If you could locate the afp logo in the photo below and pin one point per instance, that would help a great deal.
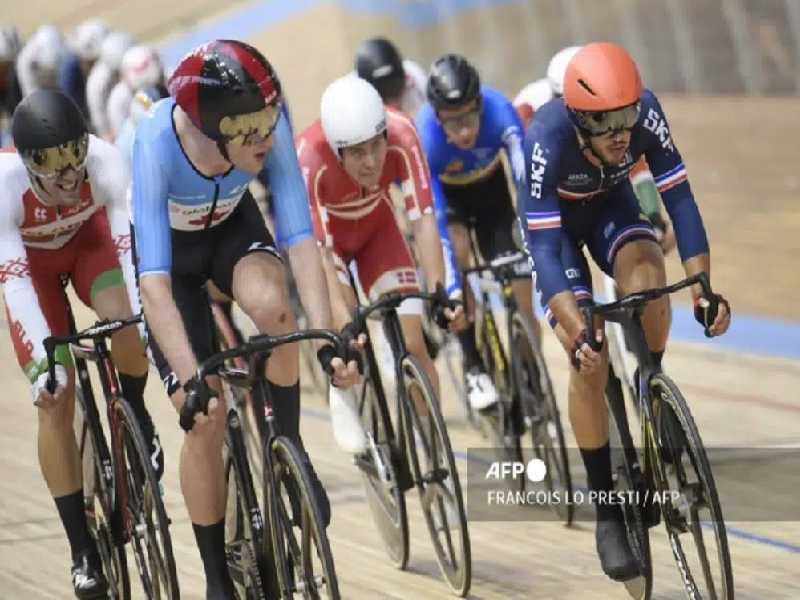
(535, 470)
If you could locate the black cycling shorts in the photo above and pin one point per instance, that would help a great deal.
(486, 207)
(202, 256)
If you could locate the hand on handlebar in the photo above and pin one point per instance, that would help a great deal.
(46, 393)
(343, 375)
(447, 314)
(199, 403)
(586, 353)
(713, 312)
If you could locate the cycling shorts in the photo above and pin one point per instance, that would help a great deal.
(202, 256)
(603, 225)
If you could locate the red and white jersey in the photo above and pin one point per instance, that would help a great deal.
(25, 221)
(531, 98)
(334, 194)
(414, 93)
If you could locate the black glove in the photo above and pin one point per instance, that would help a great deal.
(325, 356)
(438, 305)
(198, 395)
(706, 315)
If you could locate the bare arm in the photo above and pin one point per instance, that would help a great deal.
(340, 308)
(312, 286)
(429, 249)
(166, 324)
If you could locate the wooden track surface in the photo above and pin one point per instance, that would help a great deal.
(737, 401)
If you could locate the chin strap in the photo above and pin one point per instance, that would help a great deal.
(223, 150)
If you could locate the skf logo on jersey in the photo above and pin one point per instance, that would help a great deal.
(40, 214)
(455, 166)
(538, 164)
(656, 123)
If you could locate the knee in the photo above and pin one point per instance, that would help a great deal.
(269, 307)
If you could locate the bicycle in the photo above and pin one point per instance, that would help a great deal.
(121, 492)
(527, 402)
(681, 494)
(391, 465)
(253, 543)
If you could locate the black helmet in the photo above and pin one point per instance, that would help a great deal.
(453, 82)
(50, 133)
(379, 62)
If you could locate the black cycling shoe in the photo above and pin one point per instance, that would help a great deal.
(616, 556)
(88, 580)
(153, 443)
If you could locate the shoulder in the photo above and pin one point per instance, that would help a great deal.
(13, 175)
(156, 124)
(400, 128)
(494, 99)
(428, 126)
(535, 94)
(311, 145)
(415, 75)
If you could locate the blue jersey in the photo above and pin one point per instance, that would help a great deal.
(559, 175)
(500, 129)
(168, 193)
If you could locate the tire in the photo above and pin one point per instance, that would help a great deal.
(98, 499)
(309, 561)
(628, 477)
(537, 406)
(149, 526)
(496, 423)
(453, 552)
(245, 529)
(692, 479)
(385, 495)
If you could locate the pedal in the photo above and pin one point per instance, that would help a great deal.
(437, 475)
(636, 587)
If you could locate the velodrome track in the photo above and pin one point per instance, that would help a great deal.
(739, 398)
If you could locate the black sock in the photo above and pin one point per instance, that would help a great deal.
(469, 347)
(598, 470)
(73, 517)
(657, 356)
(286, 406)
(211, 544)
(133, 391)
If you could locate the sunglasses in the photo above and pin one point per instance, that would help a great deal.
(50, 163)
(250, 129)
(468, 120)
(599, 123)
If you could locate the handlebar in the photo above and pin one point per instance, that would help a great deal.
(393, 300)
(499, 266)
(104, 328)
(255, 345)
(637, 299)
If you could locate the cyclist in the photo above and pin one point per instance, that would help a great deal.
(39, 59)
(401, 83)
(85, 49)
(350, 157)
(140, 69)
(538, 93)
(577, 193)
(103, 77)
(10, 94)
(195, 220)
(468, 131)
(64, 212)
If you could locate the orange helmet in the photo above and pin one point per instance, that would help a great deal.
(601, 77)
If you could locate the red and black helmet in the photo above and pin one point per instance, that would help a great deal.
(223, 78)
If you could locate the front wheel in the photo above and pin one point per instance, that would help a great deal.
(147, 518)
(436, 477)
(690, 502)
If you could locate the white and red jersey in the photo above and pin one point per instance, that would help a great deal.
(333, 193)
(532, 97)
(413, 96)
(26, 222)
(357, 223)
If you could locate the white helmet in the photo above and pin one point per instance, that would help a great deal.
(141, 67)
(9, 43)
(113, 49)
(88, 38)
(50, 48)
(558, 67)
(351, 112)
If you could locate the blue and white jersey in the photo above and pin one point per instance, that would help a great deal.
(559, 173)
(500, 130)
(168, 193)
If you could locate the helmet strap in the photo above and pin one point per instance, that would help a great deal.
(223, 150)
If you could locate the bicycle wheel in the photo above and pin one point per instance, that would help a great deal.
(385, 496)
(298, 531)
(245, 535)
(436, 477)
(629, 479)
(539, 411)
(147, 518)
(690, 502)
